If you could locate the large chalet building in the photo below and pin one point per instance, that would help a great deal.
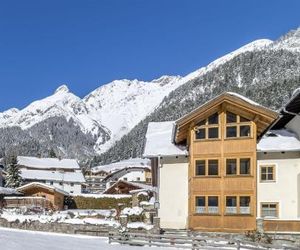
(64, 174)
(216, 170)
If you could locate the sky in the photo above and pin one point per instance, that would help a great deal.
(85, 44)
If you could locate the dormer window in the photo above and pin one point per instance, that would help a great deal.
(208, 128)
(237, 126)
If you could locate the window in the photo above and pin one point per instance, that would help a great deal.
(72, 184)
(200, 134)
(231, 167)
(200, 167)
(200, 205)
(269, 209)
(208, 128)
(138, 178)
(125, 179)
(207, 204)
(231, 207)
(60, 183)
(231, 131)
(245, 131)
(245, 166)
(207, 167)
(213, 204)
(213, 132)
(237, 126)
(245, 204)
(240, 166)
(51, 183)
(231, 118)
(267, 173)
(213, 167)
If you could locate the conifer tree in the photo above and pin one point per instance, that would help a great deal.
(52, 153)
(13, 177)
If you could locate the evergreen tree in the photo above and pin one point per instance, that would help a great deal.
(52, 153)
(13, 177)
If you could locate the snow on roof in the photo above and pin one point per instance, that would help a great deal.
(279, 140)
(43, 185)
(99, 196)
(244, 98)
(116, 166)
(52, 175)
(159, 140)
(8, 191)
(46, 163)
(139, 186)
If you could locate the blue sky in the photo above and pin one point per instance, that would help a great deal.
(86, 43)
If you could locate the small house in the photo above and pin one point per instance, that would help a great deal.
(39, 195)
(125, 187)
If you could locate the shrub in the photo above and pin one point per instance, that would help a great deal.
(143, 197)
(257, 236)
(81, 202)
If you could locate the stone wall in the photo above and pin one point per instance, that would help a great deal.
(55, 227)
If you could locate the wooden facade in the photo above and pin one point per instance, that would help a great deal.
(124, 187)
(54, 197)
(281, 225)
(222, 162)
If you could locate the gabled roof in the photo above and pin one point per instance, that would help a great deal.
(116, 166)
(47, 163)
(41, 185)
(33, 174)
(159, 140)
(279, 141)
(8, 191)
(132, 185)
(289, 111)
(263, 116)
(124, 171)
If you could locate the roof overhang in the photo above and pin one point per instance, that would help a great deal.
(41, 185)
(262, 116)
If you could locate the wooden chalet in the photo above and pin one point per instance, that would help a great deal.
(39, 195)
(125, 187)
(215, 181)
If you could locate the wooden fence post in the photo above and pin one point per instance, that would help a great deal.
(238, 247)
(149, 240)
(109, 238)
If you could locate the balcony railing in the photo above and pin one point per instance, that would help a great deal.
(245, 210)
(213, 210)
(231, 210)
(200, 210)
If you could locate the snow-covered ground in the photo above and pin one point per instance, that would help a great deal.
(12, 239)
(79, 217)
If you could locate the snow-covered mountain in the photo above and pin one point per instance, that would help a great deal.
(121, 104)
(106, 114)
(264, 71)
(89, 126)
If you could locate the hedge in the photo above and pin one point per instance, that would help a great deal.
(80, 202)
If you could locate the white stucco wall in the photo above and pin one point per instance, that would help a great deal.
(75, 189)
(134, 175)
(173, 195)
(285, 190)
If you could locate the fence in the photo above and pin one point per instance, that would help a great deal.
(29, 202)
(187, 242)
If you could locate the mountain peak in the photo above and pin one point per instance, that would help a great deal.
(62, 89)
